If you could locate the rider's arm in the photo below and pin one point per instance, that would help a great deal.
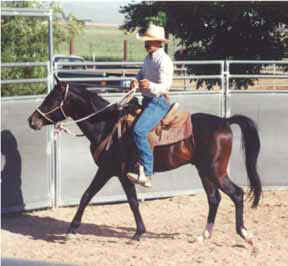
(139, 76)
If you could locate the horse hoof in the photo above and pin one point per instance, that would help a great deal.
(200, 239)
(70, 236)
(137, 237)
(206, 235)
(247, 236)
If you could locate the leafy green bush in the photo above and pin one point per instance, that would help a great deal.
(23, 89)
(25, 39)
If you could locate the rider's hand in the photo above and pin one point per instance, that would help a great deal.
(144, 85)
(134, 84)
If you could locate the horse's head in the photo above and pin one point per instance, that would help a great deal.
(78, 103)
(53, 109)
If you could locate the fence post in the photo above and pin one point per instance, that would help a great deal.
(222, 97)
(225, 105)
(226, 91)
(71, 46)
(50, 40)
(125, 51)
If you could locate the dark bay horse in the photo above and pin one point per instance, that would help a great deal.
(209, 151)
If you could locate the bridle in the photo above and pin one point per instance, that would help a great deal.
(60, 106)
(60, 126)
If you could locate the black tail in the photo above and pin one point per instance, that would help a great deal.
(251, 147)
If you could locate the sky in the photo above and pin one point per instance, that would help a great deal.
(100, 11)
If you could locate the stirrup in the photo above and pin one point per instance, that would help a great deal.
(137, 180)
(141, 178)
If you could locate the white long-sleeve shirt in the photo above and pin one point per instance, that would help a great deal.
(158, 69)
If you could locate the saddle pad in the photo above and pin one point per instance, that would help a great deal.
(172, 135)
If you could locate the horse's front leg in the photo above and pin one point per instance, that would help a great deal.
(100, 179)
(131, 194)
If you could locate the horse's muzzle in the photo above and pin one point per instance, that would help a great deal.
(35, 122)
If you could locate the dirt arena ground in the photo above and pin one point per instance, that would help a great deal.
(173, 225)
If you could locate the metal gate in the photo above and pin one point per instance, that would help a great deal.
(27, 159)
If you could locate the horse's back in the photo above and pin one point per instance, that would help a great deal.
(213, 136)
(204, 118)
(208, 124)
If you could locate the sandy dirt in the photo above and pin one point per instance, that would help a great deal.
(173, 226)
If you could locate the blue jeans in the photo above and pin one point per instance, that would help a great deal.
(154, 110)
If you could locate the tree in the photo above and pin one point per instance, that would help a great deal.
(219, 30)
(25, 39)
(70, 26)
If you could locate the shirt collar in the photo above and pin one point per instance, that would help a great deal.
(157, 53)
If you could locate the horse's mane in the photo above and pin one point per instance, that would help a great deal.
(97, 102)
(95, 99)
(88, 96)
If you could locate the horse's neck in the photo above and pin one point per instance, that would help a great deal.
(94, 130)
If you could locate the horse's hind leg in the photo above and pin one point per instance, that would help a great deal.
(214, 198)
(236, 194)
(214, 178)
(100, 179)
(130, 191)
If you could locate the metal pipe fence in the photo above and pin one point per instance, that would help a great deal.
(123, 66)
(230, 76)
(32, 80)
(30, 12)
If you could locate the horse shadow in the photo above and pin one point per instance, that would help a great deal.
(11, 172)
(53, 230)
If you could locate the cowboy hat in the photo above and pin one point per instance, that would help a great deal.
(152, 33)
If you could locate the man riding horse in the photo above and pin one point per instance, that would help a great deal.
(154, 80)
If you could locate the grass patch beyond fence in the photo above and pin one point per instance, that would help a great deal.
(106, 43)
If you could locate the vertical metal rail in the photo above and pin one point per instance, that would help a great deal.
(50, 41)
(56, 177)
(222, 101)
(227, 110)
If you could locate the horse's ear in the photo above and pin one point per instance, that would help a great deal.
(60, 84)
(57, 80)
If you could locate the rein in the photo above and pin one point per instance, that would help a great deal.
(60, 126)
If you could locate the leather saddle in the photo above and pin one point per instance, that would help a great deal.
(174, 126)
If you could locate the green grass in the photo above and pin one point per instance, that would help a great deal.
(106, 43)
